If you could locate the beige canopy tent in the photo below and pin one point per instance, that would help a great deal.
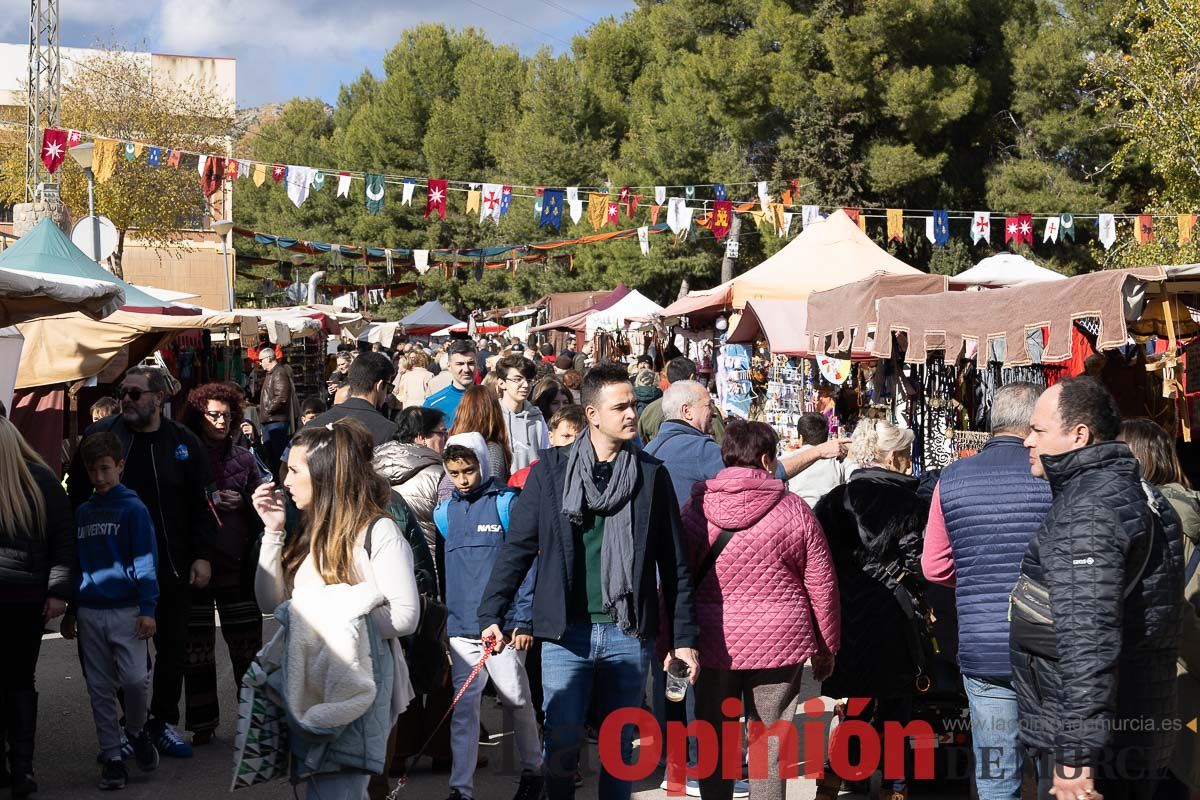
(72, 347)
(829, 253)
(780, 322)
(842, 321)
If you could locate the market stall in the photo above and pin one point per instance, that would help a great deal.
(428, 318)
(1001, 270)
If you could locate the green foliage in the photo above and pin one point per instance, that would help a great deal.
(923, 104)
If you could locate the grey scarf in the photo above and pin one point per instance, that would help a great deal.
(616, 552)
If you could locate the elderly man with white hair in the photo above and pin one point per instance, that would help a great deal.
(685, 444)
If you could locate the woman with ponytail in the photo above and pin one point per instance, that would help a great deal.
(37, 559)
(348, 568)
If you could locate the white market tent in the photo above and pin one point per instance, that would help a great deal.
(1004, 269)
(633, 306)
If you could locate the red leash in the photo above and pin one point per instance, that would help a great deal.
(488, 646)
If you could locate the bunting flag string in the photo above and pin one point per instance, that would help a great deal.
(604, 206)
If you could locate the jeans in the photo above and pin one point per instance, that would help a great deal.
(994, 738)
(590, 658)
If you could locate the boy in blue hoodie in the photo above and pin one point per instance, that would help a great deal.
(114, 606)
(473, 522)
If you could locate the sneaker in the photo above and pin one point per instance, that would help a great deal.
(692, 788)
(578, 779)
(530, 787)
(126, 752)
(168, 741)
(741, 788)
(144, 751)
(113, 774)
(455, 794)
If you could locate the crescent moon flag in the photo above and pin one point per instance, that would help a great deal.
(374, 189)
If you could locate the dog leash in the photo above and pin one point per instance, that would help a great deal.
(488, 648)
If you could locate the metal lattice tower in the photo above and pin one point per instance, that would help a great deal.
(43, 107)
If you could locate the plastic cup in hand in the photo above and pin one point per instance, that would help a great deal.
(677, 680)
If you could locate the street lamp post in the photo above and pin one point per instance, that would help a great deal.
(82, 153)
(222, 229)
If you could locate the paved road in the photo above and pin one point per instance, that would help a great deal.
(66, 750)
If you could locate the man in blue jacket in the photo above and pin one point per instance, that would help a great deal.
(985, 510)
(685, 444)
(473, 523)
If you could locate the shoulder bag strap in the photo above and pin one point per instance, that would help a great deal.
(710, 558)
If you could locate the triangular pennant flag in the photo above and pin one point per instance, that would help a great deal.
(686, 223)
(764, 196)
(406, 191)
(74, 137)
(421, 257)
(343, 184)
(929, 234)
(941, 228)
(552, 208)
(318, 180)
(613, 213)
(201, 160)
(1185, 222)
(677, 218)
(505, 199)
(373, 191)
(631, 205)
(644, 239)
(54, 148)
(981, 227)
(173, 157)
(1050, 234)
(436, 200)
(776, 212)
(1066, 226)
(722, 216)
(689, 192)
(1025, 229)
(490, 203)
(154, 157)
(895, 225)
(213, 176)
(1145, 229)
(278, 172)
(131, 152)
(1108, 230)
(597, 209)
(787, 223)
(660, 195)
(654, 211)
(244, 169)
(719, 192)
(623, 195)
(260, 174)
(231, 169)
(473, 197)
(809, 215)
(538, 191)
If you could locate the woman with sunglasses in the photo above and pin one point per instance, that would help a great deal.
(214, 412)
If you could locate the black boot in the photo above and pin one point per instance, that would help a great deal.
(22, 730)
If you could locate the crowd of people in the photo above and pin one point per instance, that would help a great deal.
(584, 531)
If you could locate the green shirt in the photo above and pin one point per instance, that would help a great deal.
(586, 604)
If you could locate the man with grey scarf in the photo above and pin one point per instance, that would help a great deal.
(604, 518)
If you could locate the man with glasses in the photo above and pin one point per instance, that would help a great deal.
(461, 366)
(527, 430)
(166, 465)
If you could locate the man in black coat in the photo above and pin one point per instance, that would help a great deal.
(603, 520)
(168, 468)
(370, 379)
(1096, 684)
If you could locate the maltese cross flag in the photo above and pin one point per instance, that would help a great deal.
(54, 148)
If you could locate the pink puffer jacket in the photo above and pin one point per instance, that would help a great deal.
(771, 599)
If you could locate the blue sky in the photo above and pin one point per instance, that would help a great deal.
(303, 48)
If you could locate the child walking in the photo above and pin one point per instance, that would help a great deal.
(473, 522)
(114, 607)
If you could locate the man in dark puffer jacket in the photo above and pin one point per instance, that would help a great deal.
(1101, 714)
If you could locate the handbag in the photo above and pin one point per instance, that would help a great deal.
(427, 650)
(261, 751)
(1030, 615)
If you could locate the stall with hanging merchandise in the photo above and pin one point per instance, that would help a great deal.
(302, 337)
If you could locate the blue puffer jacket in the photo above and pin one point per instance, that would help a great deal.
(993, 506)
(475, 532)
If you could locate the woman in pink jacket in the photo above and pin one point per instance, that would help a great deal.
(767, 604)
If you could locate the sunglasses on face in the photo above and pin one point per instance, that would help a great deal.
(132, 393)
(217, 416)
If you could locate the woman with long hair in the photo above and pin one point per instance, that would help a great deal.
(549, 395)
(875, 524)
(347, 540)
(1155, 451)
(214, 413)
(480, 412)
(37, 560)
